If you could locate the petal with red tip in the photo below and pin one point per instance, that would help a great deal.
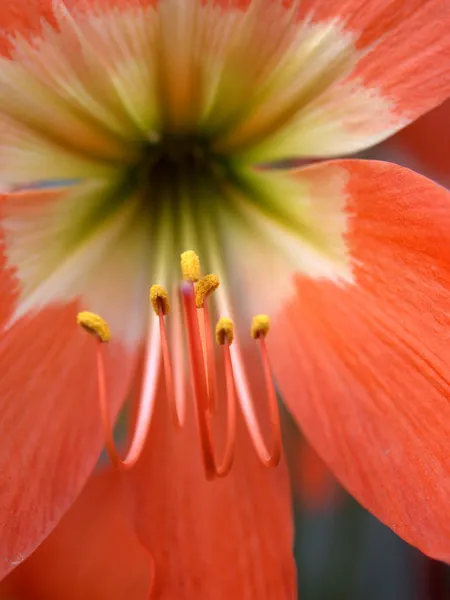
(211, 540)
(363, 366)
(334, 77)
(51, 434)
(93, 553)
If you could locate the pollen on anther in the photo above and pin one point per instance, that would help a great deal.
(159, 299)
(95, 325)
(190, 266)
(204, 287)
(224, 331)
(260, 326)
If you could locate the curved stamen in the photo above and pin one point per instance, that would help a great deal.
(93, 324)
(198, 377)
(203, 289)
(268, 457)
(159, 299)
(202, 401)
(147, 399)
(201, 356)
(109, 442)
(228, 457)
(272, 458)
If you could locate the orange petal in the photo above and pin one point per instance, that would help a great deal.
(51, 434)
(364, 367)
(8, 288)
(92, 554)
(227, 538)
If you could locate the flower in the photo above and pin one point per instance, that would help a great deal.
(156, 122)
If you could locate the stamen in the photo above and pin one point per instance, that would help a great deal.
(268, 458)
(98, 327)
(109, 442)
(260, 326)
(95, 325)
(201, 393)
(224, 331)
(275, 455)
(190, 266)
(201, 356)
(231, 407)
(205, 287)
(259, 329)
(159, 299)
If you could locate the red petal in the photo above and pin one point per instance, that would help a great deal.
(93, 553)
(51, 435)
(8, 285)
(229, 538)
(364, 367)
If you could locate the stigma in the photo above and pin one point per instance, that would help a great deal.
(196, 293)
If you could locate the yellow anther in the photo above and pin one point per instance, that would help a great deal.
(224, 331)
(260, 326)
(204, 287)
(94, 324)
(190, 266)
(159, 299)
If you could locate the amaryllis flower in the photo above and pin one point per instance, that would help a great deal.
(157, 123)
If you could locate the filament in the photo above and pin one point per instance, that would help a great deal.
(203, 372)
(210, 363)
(268, 457)
(168, 371)
(202, 400)
(145, 410)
